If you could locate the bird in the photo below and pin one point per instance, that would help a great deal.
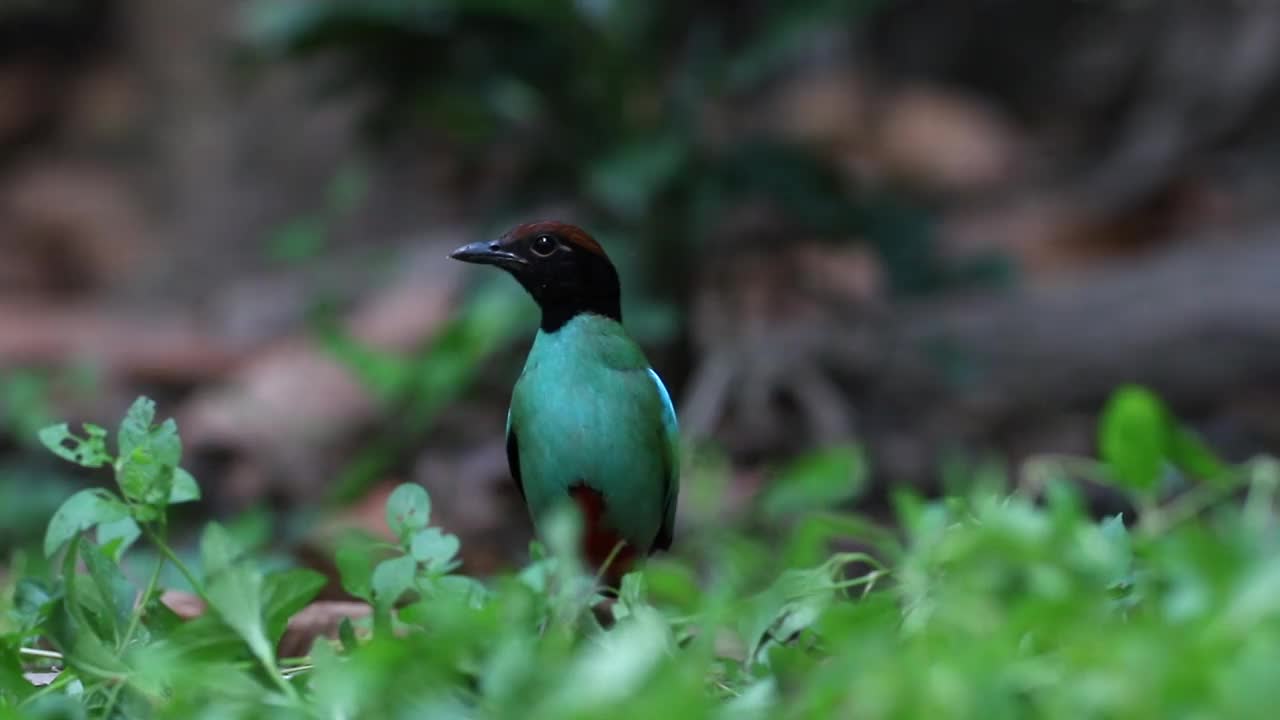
(590, 422)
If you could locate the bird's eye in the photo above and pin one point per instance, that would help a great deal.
(543, 245)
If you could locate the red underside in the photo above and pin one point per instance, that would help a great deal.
(598, 539)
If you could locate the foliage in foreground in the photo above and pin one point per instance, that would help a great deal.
(988, 605)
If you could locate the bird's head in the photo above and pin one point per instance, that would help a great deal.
(563, 268)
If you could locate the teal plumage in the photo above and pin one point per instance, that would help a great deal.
(588, 409)
(590, 422)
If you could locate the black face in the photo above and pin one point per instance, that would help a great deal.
(564, 270)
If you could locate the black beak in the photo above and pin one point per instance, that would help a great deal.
(488, 252)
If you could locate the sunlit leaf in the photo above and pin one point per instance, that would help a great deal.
(12, 682)
(218, 550)
(89, 451)
(1191, 455)
(408, 510)
(149, 455)
(355, 569)
(115, 591)
(185, 488)
(80, 512)
(392, 578)
(1134, 436)
(285, 593)
(235, 594)
(434, 548)
(117, 537)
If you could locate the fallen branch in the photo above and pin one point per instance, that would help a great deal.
(1193, 322)
(145, 346)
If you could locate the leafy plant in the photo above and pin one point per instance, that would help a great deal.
(984, 605)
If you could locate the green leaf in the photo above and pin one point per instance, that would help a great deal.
(347, 635)
(146, 470)
(12, 683)
(817, 482)
(467, 591)
(147, 463)
(71, 630)
(115, 591)
(89, 451)
(355, 568)
(1190, 455)
(115, 538)
(236, 596)
(286, 593)
(206, 638)
(218, 550)
(1118, 546)
(185, 488)
(392, 578)
(80, 512)
(408, 510)
(1133, 437)
(135, 428)
(434, 549)
(672, 583)
(615, 667)
(759, 700)
(633, 589)
(32, 603)
(631, 597)
(793, 603)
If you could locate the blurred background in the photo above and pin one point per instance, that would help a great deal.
(893, 241)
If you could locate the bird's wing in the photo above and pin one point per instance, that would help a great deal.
(513, 457)
(671, 464)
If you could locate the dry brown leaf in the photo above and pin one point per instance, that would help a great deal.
(319, 619)
(944, 142)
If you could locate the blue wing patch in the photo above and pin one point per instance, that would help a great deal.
(672, 462)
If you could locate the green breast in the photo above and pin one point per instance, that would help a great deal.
(588, 410)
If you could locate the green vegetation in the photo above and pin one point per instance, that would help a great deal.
(988, 604)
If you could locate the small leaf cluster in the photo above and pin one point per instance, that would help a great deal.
(420, 563)
(147, 474)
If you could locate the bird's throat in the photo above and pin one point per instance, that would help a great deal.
(556, 314)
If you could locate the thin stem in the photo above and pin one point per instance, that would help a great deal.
(293, 672)
(1154, 520)
(136, 618)
(281, 680)
(168, 552)
(35, 652)
(113, 699)
(134, 621)
(1037, 471)
(868, 579)
(852, 557)
(613, 555)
